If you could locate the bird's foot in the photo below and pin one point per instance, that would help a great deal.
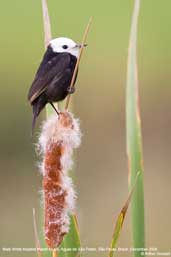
(71, 90)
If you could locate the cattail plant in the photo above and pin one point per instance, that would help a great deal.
(59, 136)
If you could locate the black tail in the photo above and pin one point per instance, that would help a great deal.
(38, 105)
(33, 121)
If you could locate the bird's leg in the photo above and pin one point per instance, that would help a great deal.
(53, 106)
(71, 90)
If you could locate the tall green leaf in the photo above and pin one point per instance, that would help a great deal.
(134, 138)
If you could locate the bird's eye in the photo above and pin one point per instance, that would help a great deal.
(64, 46)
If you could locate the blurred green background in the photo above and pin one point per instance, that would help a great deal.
(99, 102)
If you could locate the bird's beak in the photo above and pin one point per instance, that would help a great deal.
(80, 45)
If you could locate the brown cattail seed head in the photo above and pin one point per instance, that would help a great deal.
(60, 135)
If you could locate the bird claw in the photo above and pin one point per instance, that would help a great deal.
(71, 90)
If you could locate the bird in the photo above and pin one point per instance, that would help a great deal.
(53, 77)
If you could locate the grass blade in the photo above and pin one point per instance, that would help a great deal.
(71, 240)
(134, 139)
(120, 220)
(46, 23)
(78, 60)
(38, 248)
(47, 38)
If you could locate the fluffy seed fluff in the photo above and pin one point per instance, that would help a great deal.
(59, 136)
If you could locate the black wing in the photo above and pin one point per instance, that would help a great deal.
(49, 68)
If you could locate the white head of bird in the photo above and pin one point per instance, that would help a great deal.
(64, 44)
